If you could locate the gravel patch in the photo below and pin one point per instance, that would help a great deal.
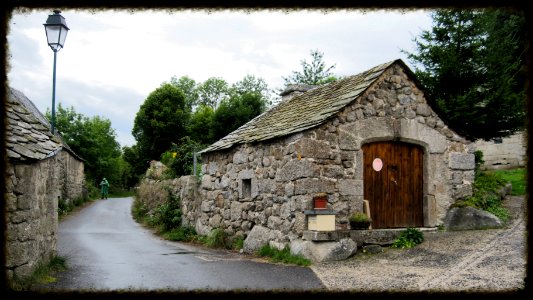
(447, 261)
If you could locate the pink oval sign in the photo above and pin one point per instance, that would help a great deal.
(377, 164)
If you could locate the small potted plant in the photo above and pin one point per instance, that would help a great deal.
(360, 220)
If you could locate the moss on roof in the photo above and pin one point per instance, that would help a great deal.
(303, 111)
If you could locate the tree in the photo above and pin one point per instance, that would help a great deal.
(314, 73)
(472, 66)
(252, 84)
(188, 87)
(94, 140)
(235, 112)
(138, 164)
(212, 91)
(199, 128)
(162, 119)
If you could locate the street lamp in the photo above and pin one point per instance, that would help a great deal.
(56, 33)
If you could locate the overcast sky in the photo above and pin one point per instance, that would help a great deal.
(113, 59)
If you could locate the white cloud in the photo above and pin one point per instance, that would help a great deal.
(113, 59)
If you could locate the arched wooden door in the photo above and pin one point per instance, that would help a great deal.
(393, 184)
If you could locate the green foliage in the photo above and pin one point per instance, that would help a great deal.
(94, 140)
(359, 217)
(408, 238)
(43, 274)
(473, 67)
(212, 92)
(181, 234)
(252, 85)
(486, 195)
(314, 73)
(188, 86)
(137, 165)
(283, 256)
(180, 158)
(217, 238)
(237, 242)
(139, 211)
(162, 119)
(200, 125)
(63, 207)
(517, 177)
(168, 214)
(235, 112)
(478, 155)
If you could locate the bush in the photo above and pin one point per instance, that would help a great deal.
(63, 207)
(42, 274)
(168, 215)
(180, 158)
(283, 256)
(486, 195)
(217, 238)
(139, 211)
(184, 234)
(408, 238)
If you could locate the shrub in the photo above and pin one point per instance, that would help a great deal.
(184, 233)
(486, 195)
(217, 238)
(283, 256)
(409, 238)
(168, 215)
(139, 211)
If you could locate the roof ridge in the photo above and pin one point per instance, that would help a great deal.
(319, 103)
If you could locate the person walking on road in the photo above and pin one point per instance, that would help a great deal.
(105, 187)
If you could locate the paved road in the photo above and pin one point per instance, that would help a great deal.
(107, 250)
(461, 261)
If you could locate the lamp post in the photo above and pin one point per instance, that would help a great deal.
(56, 33)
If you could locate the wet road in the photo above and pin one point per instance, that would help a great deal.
(106, 250)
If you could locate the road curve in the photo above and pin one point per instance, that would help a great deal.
(106, 250)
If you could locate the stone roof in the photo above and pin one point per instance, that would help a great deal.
(28, 135)
(303, 111)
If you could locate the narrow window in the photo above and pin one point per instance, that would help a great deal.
(246, 188)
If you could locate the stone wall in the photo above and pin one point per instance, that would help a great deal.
(154, 192)
(32, 193)
(271, 183)
(508, 153)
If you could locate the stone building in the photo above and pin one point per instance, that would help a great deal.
(40, 170)
(372, 136)
(504, 153)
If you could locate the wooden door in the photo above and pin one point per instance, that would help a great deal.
(393, 184)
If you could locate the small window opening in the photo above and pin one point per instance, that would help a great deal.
(246, 188)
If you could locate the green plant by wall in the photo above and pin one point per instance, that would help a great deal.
(408, 238)
(43, 274)
(478, 157)
(486, 195)
(180, 158)
(168, 214)
(283, 256)
(217, 238)
(139, 211)
(517, 178)
(181, 234)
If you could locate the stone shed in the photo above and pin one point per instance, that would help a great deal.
(372, 136)
(40, 170)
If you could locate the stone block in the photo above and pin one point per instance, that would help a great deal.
(350, 187)
(314, 185)
(296, 169)
(461, 161)
(312, 148)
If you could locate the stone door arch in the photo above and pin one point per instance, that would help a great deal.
(393, 183)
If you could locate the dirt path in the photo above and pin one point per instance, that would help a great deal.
(469, 261)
